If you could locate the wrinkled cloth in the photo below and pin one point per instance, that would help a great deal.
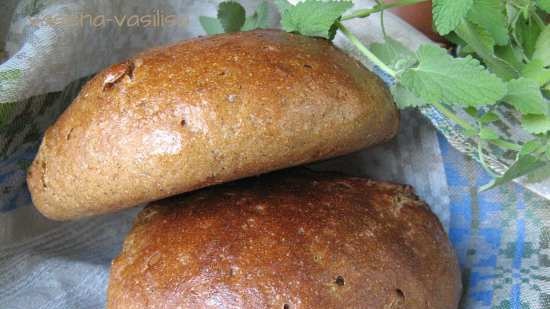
(502, 237)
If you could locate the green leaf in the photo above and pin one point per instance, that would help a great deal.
(470, 34)
(472, 111)
(536, 124)
(404, 98)
(314, 18)
(510, 54)
(523, 166)
(393, 53)
(530, 147)
(488, 134)
(544, 5)
(470, 132)
(489, 117)
(456, 81)
(257, 20)
(484, 38)
(455, 39)
(211, 25)
(535, 70)
(231, 15)
(527, 31)
(542, 47)
(524, 94)
(448, 14)
(523, 6)
(489, 14)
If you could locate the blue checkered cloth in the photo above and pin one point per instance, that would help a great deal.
(502, 238)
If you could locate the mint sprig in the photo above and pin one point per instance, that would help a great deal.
(536, 70)
(523, 166)
(257, 20)
(211, 25)
(502, 58)
(536, 124)
(524, 94)
(313, 17)
(231, 15)
(394, 54)
(456, 81)
(544, 5)
(448, 14)
(232, 18)
(404, 98)
(489, 14)
(542, 46)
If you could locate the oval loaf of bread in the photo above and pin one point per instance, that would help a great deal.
(202, 112)
(289, 240)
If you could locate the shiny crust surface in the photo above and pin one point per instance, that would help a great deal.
(288, 240)
(202, 112)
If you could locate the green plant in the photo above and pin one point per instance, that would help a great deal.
(502, 59)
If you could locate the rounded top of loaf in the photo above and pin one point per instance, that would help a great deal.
(205, 111)
(288, 240)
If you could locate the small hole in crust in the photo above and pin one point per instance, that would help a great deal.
(68, 137)
(307, 66)
(399, 294)
(397, 300)
(183, 122)
(340, 281)
(286, 306)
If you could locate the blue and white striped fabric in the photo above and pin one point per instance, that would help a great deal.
(502, 238)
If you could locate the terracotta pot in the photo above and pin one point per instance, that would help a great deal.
(419, 16)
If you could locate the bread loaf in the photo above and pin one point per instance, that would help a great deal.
(202, 112)
(291, 240)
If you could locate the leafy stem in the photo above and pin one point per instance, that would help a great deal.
(506, 145)
(453, 117)
(363, 49)
(499, 67)
(481, 156)
(468, 127)
(380, 7)
(440, 107)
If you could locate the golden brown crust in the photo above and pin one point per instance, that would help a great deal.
(206, 111)
(303, 239)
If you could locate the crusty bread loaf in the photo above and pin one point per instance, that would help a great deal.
(202, 112)
(288, 240)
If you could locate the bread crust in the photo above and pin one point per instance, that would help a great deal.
(294, 238)
(202, 112)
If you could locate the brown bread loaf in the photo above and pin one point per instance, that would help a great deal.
(202, 112)
(289, 240)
